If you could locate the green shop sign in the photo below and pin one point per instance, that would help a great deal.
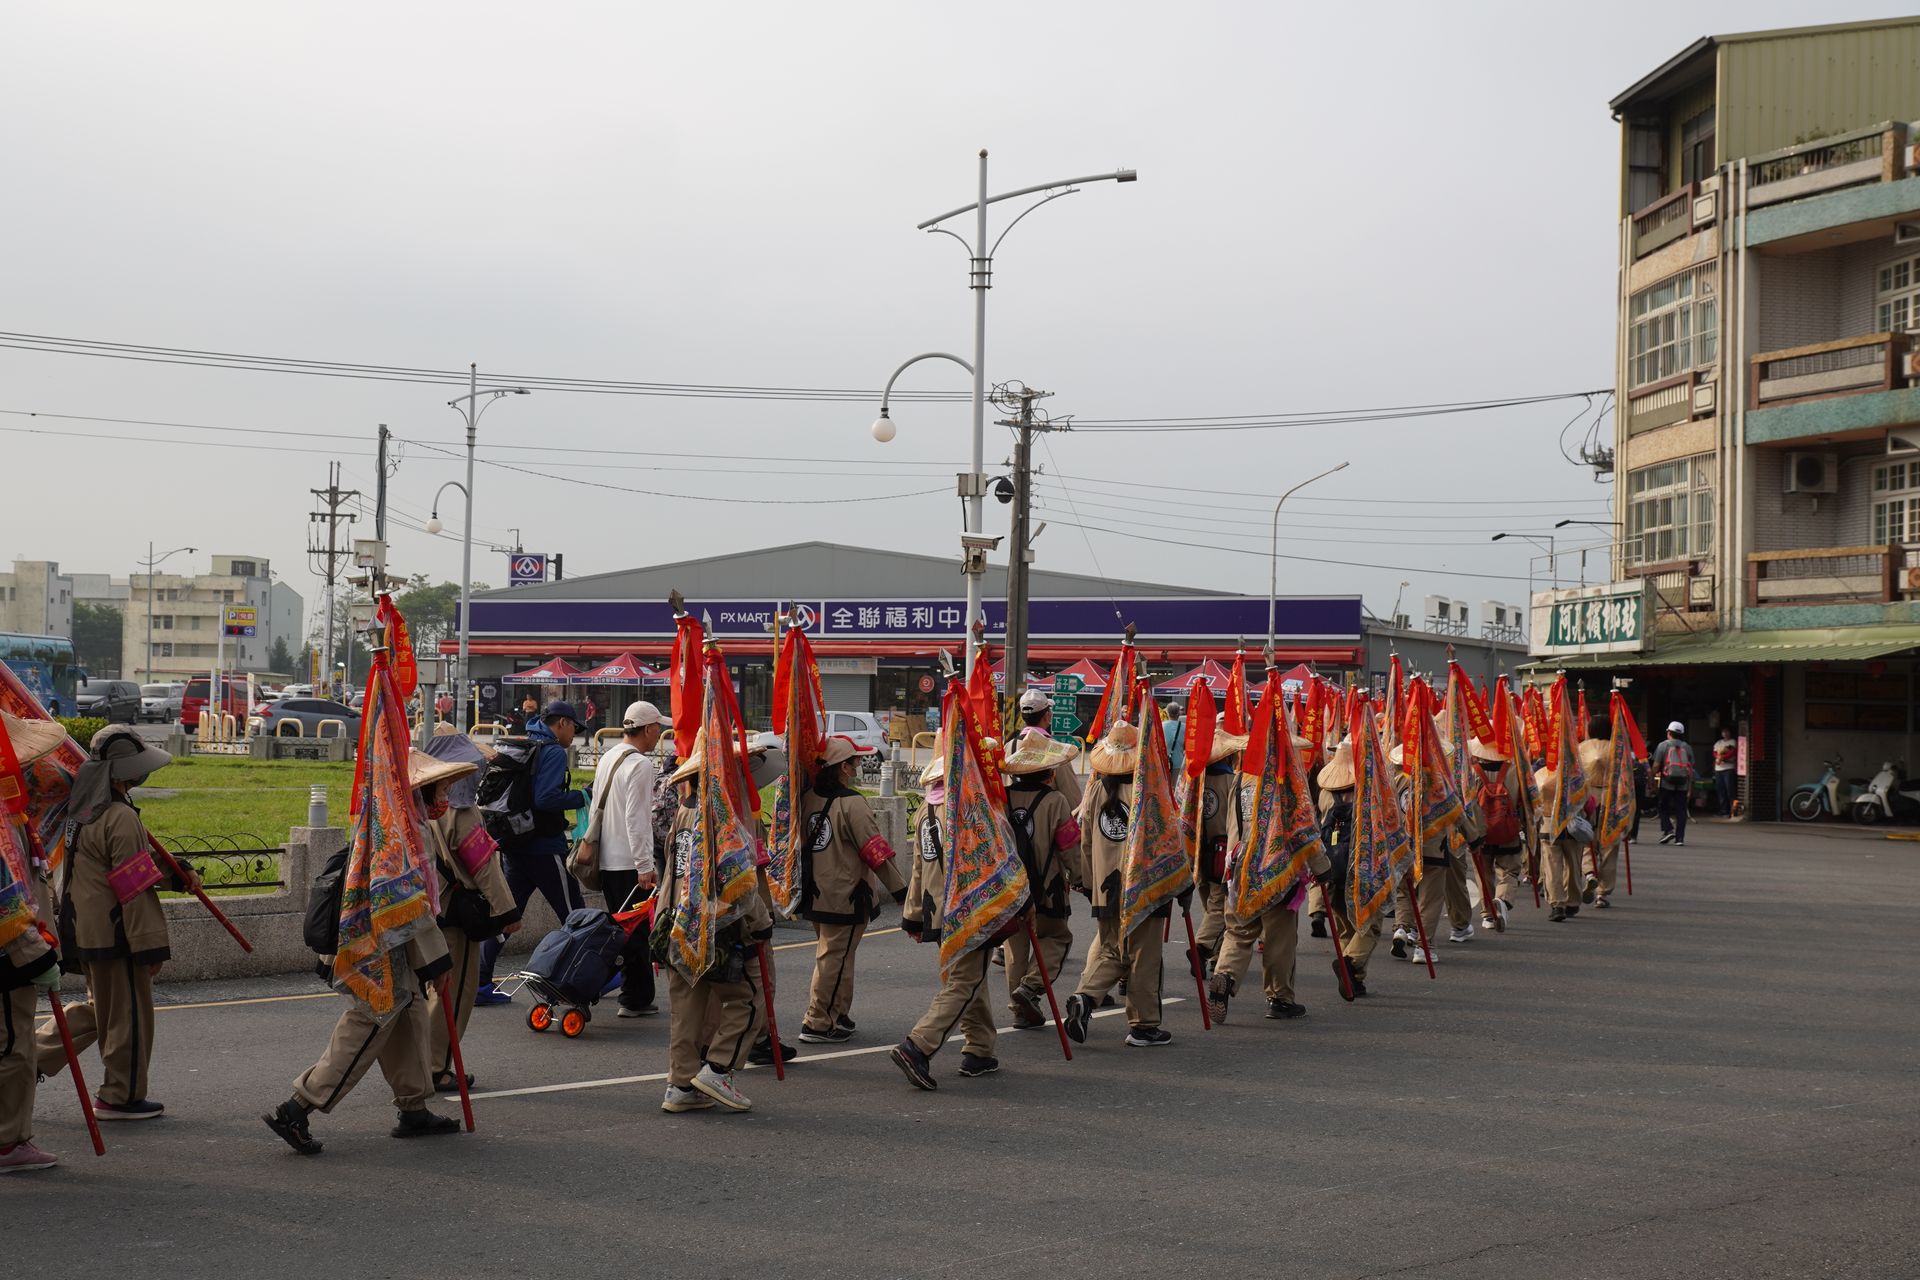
(1604, 619)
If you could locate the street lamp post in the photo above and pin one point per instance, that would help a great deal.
(1598, 524)
(973, 485)
(1273, 562)
(1553, 563)
(470, 408)
(151, 561)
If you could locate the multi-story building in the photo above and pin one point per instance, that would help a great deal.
(186, 613)
(1766, 451)
(36, 599)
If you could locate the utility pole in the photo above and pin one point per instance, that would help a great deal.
(380, 487)
(1019, 554)
(327, 558)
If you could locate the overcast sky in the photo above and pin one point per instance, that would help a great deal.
(1339, 207)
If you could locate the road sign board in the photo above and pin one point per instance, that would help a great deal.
(926, 684)
(1066, 694)
(524, 569)
(1067, 684)
(239, 619)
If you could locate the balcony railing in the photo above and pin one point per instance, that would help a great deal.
(1676, 399)
(1824, 575)
(1851, 159)
(1447, 626)
(1845, 366)
(1664, 221)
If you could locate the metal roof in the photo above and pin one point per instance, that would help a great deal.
(1829, 644)
(1695, 62)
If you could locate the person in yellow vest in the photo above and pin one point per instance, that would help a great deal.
(29, 964)
(843, 859)
(1048, 837)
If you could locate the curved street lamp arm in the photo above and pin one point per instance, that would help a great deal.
(905, 365)
(1118, 175)
(1273, 563)
(957, 236)
(451, 484)
(1023, 213)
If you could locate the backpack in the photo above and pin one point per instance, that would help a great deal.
(1676, 768)
(1021, 820)
(505, 794)
(1336, 832)
(321, 929)
(1503, 818)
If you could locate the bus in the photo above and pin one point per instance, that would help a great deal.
(45, 665)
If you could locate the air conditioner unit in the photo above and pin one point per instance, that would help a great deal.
(1913, 578)
(1700, 592)
(1901, 439)
(1813, 473)
(1911, 365)
(1913, 157)
(1704, 208)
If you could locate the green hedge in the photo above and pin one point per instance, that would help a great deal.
(81, 728)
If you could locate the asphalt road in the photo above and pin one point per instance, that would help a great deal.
(1715, 1078)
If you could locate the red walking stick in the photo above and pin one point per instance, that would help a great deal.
(73, 1065)
(773, 1028)
(1626, 856)
(1046, 980)
(173, 868)
(1342, 967)
(1487, 899)
(1533, 869)
(1426, 948)
(453, 1043)
(1193, 959)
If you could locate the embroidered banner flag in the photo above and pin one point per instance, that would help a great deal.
(1202, 719)
(1617, 799)
(1571, 795)
(16, 864)
(1117, 696)
(1155, 866)
(389, 895)
(1458, 721)
(406, 671)
(1382, 850)
(1396, 698)
(1283, 835)
(720, 869)
(685, 680)
(1534, 721)
(1235, 710)
(800, 711)
(987, 888)
(49, 780)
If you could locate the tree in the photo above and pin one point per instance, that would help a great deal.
(432, 611)
(281, 659)
(97, 635)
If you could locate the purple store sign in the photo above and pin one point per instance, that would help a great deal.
(1315, 619)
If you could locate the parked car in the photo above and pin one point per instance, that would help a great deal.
(160, 703)
(308, 713)
(233, 694)
(861, 726)
(296, 691)
(115, 701)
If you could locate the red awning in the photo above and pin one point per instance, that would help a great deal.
(552, 671)
(625, 669)
(1208, 672)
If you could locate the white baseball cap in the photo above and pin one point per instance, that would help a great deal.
(1035, 700)
(1676, 727)
(639, 715)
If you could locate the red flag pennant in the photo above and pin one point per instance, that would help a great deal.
(1236, 709)
(406, 671)
(1201, 719)
(688, 683)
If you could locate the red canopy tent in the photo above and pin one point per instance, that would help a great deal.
(1208, 672)
(1000, 676)
(1094, 679)
(625, 669)
(553, 671)
(1297, 678)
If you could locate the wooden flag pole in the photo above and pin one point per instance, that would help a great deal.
(773, 1028)
(453, 1044)
(73, 1065)
(1413, 900)
(1487, 898)
(173, 868)
(1046, 981)
(1626, 856)
(1342, 967)
(1193, 959)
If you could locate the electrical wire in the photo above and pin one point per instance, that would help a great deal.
(1300, 520)
(1337, 418)
(1350, 564)
(1397, 502)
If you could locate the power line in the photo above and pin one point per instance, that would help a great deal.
(1397, 502)
(1303, 520)
(1270, 422)
(1287, 533)
(1351, 564)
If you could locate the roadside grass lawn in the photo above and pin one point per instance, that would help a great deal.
(251, 802)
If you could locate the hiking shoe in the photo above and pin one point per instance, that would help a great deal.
(845, 1023)
(1601, 902)
(1027, 1014)
(447, 1082)
(422, 1123)
(144, 1109)
(761, 1055)
(1463, 934)
(490, 994)
(289, 1120)
(1422, 956)
(1219, 991)
(1201, 962)
(643, 1011)
(832, 1035)
(688, 1099)
(1317, 924)
(1399, 947)
(1557, 915)
(1666, 837)
(1148, 1037)
(719, 1086)
(978, 1065)
(1079, 1011)
(1572, 910)
(914, 1065)
(1586, 894)
(1359, 987)
(23, 1156)
(1108, 1002)
(1285, 1009)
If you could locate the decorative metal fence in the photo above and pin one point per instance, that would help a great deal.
(237, 862)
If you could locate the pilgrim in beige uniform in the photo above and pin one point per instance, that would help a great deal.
(119, 932)
(28, 964)
(1441, 854)
(1049, 840)
(474, 906)
(1275, 933)
(1503, 846)
(1599, 881)
(1336, 830)
(1223, 821)
(1134, 957)
(1559, 858)
(400, 1041)
(843, 858)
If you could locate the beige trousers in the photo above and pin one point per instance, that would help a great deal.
(962, 1002)
(1357, 945)
(1056, 941)
(1316, 900)
(464, 982)
(1459, 902)
(1213, 917)
(1507, 869)
(1605, 865)
(714, 1022)
(18, 1056)
(1136, 958)
(118, 1014)
(832, 992)
(1560, 872)
(399, 1045)
(1277, 932)
(1431, 894)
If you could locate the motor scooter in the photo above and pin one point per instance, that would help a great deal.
(1811, 800)
(1889, 797)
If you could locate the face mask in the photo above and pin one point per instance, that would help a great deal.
(437, 809)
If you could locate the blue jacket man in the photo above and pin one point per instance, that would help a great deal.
(538, 860)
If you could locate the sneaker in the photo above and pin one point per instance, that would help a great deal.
(1027, 1014)
(1422, 956)
(978, 1065)
(422, 1123)
(447, 1082)
(1219, 990)
(1679, 842)
(1601, 902)
(1586, 894)
(1285, 1009)
(1201, 963)
(1148, 1037)
(719, 1087)
(688, 1099)
(1108, 1002)
(1557, 915)
(845, 1023)
(1666, 837)
(1463, 934)
(1399, 947)
(832, 1035)
(1488, 922)
(644, 1011)
(490, 994)
(23, 1156)
(761, 1055)
(1079, 1011)
(144, 1109)
(1359, 987)
(914, 1065)
(999, 957)
(1317, 925)
(289, 1120)
(1572, 910)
